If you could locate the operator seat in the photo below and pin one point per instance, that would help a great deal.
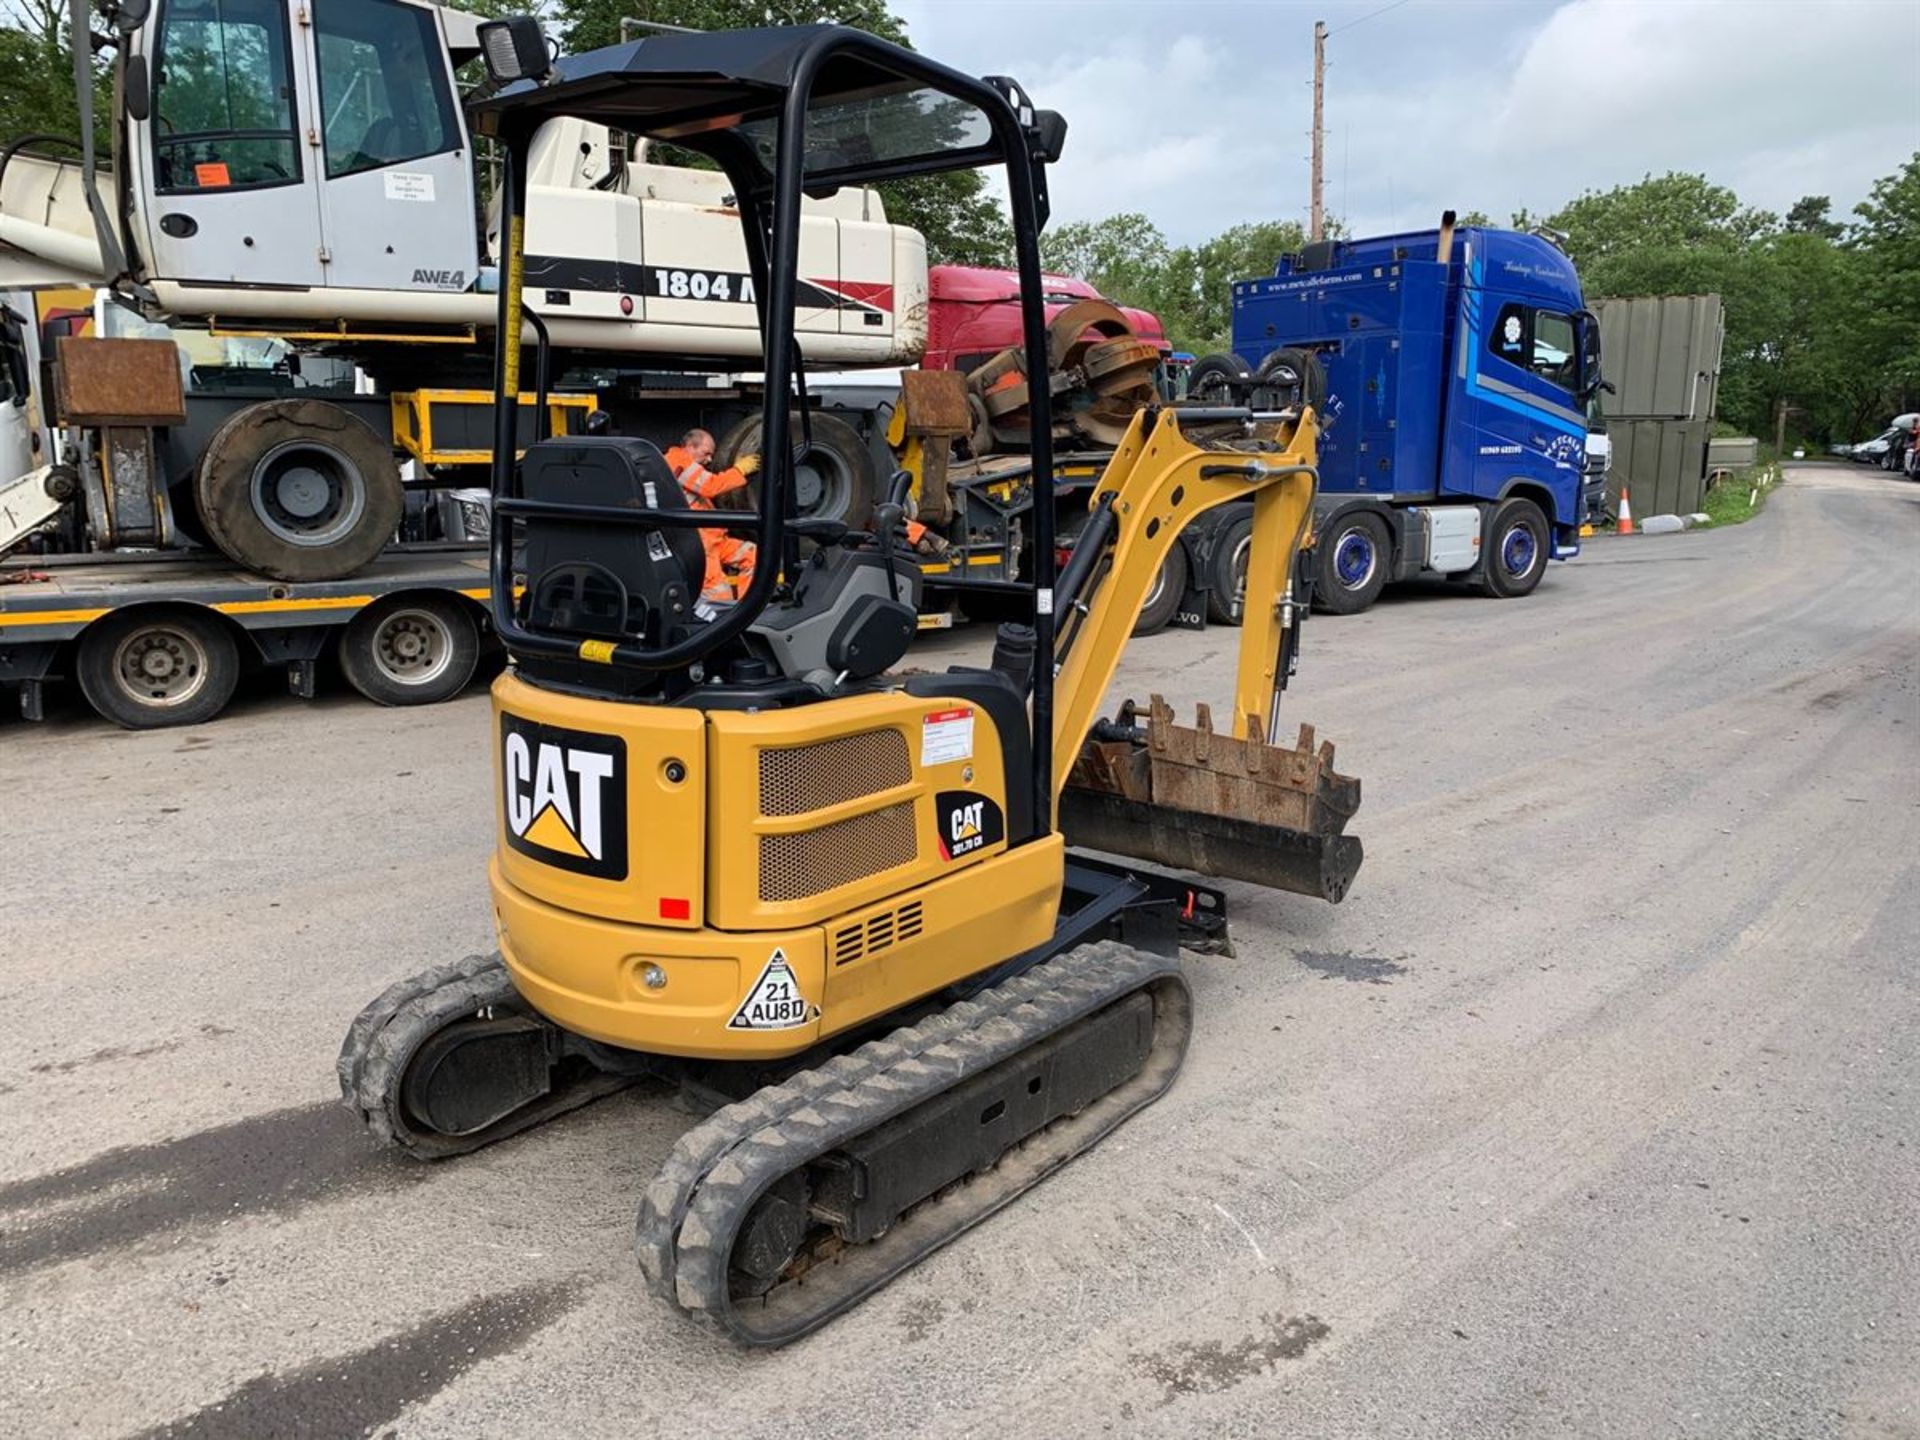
(589, 580)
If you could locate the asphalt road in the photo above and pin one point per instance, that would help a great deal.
(1595, 1110)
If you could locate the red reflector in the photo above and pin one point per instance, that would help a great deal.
(626, 304)
(676, 909)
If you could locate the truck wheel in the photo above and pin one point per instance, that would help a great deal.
(1213, 378)
(834, 478)
(410, 650)
(298, 490)
(1296, 372)
(148, 669)
(1227, 577)
(1353, 557)
(1164, 599)
(1513, 556)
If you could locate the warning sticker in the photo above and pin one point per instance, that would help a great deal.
(946, 736)
(775, 1001)
(212, 176)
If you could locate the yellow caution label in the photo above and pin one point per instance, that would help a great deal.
(598, 651)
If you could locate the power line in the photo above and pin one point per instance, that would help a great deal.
(1368, 16)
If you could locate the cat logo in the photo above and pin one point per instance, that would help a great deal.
(968, 822)
(564, 797)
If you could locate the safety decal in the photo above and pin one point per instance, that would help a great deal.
(968, 822)
(775, 1001)
(564, 796)
(946, 736)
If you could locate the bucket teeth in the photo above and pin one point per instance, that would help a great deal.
(1199, 799)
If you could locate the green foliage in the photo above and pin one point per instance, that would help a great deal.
(1190, 287)
(1810, 215)
(36, 75)
(959, 216)
(1817, 320)
(1674, 211)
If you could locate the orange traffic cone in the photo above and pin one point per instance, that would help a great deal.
(1625, 526)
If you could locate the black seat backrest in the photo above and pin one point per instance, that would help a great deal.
(592, 579)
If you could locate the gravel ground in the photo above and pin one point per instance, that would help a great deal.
(1593, 1110)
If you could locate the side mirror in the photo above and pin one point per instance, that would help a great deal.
(136, 96)
(130, 14)
(1049, 135)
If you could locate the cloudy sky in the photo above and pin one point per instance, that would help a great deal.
(1197, 111)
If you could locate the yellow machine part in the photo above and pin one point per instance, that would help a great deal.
(726, 884)
(860, 845)
(414, 413)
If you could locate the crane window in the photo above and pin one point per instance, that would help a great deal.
(223, 98)
(384, 93)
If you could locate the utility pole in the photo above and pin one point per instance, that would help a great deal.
(1318, 211)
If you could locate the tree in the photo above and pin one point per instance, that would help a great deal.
(1888, 238)
(1190, 287)
(1673, 211)
(958, 215)
(1809, 216)
(36, 75)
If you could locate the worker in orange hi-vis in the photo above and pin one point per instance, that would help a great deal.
(729, 560)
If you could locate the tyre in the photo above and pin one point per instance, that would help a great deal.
(410, 650)
(1163, 600)
(1351, 559)
(150, 668)
(1295, 374)
(1513, 555)
(1227, 570)
(834, 479)
(298, 490)
(1214, 378)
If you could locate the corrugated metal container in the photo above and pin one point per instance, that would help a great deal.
(1664, 461)
(1732, 452)
(1662, 353)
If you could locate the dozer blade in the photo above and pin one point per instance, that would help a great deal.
(1199, 801)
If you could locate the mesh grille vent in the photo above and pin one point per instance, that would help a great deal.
(811, 862)
(800, 778)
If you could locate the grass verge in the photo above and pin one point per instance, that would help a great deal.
(1740, 496)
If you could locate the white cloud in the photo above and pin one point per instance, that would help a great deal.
(1197, 114)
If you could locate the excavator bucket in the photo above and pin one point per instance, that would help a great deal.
(1196, 800)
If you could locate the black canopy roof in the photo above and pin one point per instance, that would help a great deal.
(672, 85)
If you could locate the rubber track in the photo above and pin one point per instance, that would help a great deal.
(695, 1207)
(385, 1036)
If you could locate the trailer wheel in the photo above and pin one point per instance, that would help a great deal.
(1514, 555)
(410, 650)
(150, 668)
(834, 478)
(1352, 557)
(1164, 599)
(1227, 578)
(299, 490)
(1214, 377)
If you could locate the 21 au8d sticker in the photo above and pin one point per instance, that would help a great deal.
(775, 1001)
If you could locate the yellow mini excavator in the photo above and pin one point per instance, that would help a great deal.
(739, 851)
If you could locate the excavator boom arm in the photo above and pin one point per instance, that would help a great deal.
(1157, 482)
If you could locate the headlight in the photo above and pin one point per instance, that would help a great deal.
(515, 49)
(476, 520)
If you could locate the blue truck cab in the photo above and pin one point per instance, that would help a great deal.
(1459, 364)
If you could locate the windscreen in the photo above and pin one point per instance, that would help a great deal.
(879, 127)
